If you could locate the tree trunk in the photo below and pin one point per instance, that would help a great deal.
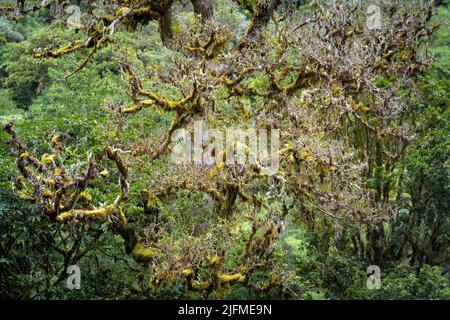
(165, 23)
(260, 19)
(376, 242)
(203, 8)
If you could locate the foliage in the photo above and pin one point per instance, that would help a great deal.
(86, 175)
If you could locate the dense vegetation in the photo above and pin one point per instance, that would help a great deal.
(89, 112)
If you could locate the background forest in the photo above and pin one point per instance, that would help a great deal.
(233, 238)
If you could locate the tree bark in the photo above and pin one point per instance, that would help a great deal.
(165, 27)
(203, 8)
(260, 19)
(376, 241)
(165, 22)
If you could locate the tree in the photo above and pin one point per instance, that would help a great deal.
(333, 86)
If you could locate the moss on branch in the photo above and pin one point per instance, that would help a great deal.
(143, 254)
(230, 278)
(47, 53)
(96, 214)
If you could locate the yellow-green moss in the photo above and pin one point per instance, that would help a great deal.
(215, 261)
(121, 11)
(188, 273)
(104, 174)
(227, 278)
(140, 253)
(98, 214)
(47, 193)
(47, 158)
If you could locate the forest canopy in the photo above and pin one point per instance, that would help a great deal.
(211, 149)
